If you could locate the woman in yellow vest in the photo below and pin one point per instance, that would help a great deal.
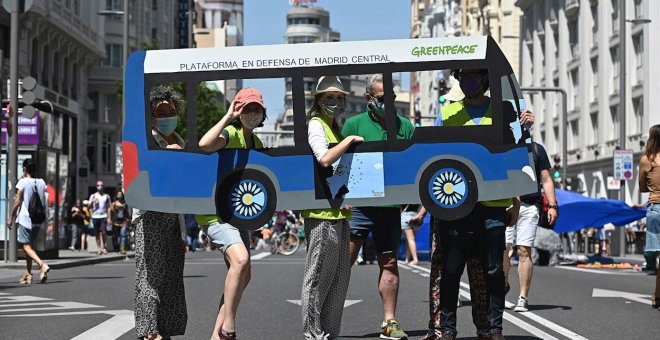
(327, 267)
(234, 131)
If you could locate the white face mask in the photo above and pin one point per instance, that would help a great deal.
(251, 120)
(166, 125)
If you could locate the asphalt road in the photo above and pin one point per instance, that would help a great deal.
(96, 302)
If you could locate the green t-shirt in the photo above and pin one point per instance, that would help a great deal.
(367, 126)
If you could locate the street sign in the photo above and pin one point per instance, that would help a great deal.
(623, 164)
(613, 184)
(26, 5)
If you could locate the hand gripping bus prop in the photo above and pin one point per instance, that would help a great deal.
(447, 169)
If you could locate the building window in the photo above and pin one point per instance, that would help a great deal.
(594, 16)
(573, 140)
(639, 8)
(65, 77)
(638, 108)
(615, 16)
(93, 112)
(556, 38)
(154, 34)
(74, 81)
(56, 72)
(614, 116)
(114, 5)
(154, 5)
(107, 154)
(614, 53)
(113, 53)
(638, 45)
(303, 39)
(303, 21)
(91, 150)
(34, 59)
(594, 79)
(575, 80)
(594, 128)
(573, 39)
(45, 69)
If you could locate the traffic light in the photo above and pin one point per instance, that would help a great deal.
(442, 90)
(556, 173)
(418, 118)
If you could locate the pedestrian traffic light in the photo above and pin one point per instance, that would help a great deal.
(442, 90)
(29, 97)
(556, 174)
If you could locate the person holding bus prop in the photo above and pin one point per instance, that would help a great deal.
(484, 227)
(327, 266)
(160, 301)
(383, 222)
(233, 131)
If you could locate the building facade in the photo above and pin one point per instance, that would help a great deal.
(152, 24)
(574, 44)
(60, 42)
(311, 24)
(447, 18)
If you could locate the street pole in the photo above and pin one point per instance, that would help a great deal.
(125, 60)
(622, 110)
(12, 141)
(562, 127)
(191, 43)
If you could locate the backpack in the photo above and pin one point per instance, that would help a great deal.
(35, 208)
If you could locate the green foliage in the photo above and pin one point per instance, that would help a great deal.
(209, 109)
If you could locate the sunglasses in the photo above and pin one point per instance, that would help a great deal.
(381, 99)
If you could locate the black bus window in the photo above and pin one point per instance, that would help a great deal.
(166, 116)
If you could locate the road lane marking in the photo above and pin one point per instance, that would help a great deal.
(540, 320)
(260, 256)
(346, 302)
(22, 298)
(40, 306)
(602, 272)
(110, 329)
(641, 298)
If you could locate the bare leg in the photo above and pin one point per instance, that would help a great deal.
(525, 268)
(31, 256)
(237, 279)
(410, 236)
(388, 284)
(355, 249)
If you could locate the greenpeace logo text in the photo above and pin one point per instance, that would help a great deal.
(443, 50)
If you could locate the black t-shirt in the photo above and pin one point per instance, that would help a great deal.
(541, 162)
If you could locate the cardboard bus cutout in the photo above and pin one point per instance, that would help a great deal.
(447, 169)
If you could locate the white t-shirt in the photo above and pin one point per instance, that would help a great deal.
(26, 186)
(100, 204)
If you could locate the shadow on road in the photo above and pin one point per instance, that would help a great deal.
(544, 307)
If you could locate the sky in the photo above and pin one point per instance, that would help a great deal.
(353, 19)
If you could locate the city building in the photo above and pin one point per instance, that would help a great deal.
(308, 23)
(447, 18)
(60, 42)
(574, 45)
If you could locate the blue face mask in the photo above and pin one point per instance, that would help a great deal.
(166, 125)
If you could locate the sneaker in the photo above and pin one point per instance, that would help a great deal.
(521, 306)
(360, 260)
(391, 330)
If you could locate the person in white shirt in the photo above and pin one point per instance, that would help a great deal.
(99, 204)
(27, 231)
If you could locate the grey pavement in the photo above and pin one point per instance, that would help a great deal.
(96, 302)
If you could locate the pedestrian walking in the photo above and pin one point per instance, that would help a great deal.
(119, 216)
(233, 131)
(79, 230)
(327, 266)
(89, 226)
(160, 302)
(522, 235)
(649, 181)
(27, 213)
(410, 232)
(99, 203)
(383, 222)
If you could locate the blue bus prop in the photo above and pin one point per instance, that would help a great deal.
(447, 169)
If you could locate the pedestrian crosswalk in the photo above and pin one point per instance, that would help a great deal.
(15, 306)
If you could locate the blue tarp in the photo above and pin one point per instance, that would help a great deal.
(577, 212)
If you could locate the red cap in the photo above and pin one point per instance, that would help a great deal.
(246, 96)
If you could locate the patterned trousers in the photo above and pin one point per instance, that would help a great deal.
(478, 290)
(327, 273)
(160, 301)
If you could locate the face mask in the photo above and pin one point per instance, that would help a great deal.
(120, 197)
(379, 108)
(469, 86)
(99, 188)
(166, 125)
(251, 120)
(333, 107)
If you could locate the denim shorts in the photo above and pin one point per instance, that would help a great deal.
(653, 228)
(26, 235)
(383, 222)
(224, 235)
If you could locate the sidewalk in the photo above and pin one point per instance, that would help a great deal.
(69, 258)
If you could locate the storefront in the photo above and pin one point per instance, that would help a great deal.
(49, 139)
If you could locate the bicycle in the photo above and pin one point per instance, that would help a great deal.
(286, 242)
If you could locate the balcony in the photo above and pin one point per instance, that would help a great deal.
(105, 73)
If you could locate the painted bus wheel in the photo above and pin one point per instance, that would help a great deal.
(246, 199)
(448, 190)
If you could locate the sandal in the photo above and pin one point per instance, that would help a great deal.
(105, 251)
(25, 280)
(43, 276)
